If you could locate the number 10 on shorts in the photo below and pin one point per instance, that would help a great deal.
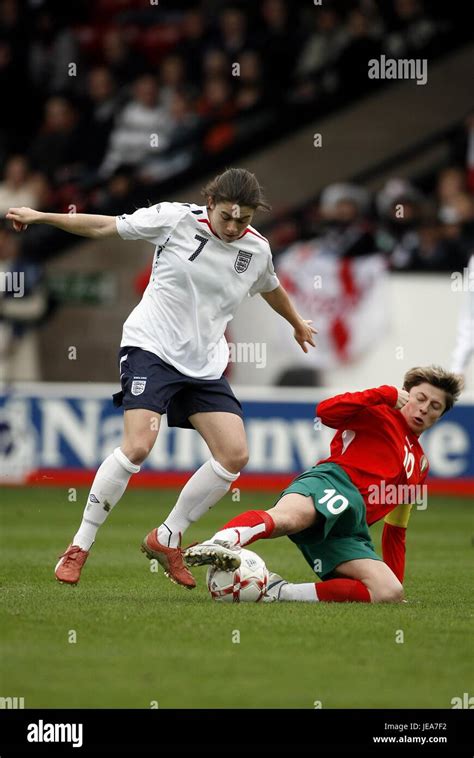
(331, 498)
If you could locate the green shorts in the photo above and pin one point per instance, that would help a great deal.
(343, 535)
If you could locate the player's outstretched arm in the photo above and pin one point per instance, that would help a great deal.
(279, 300)
(83, 224)
(342, 408)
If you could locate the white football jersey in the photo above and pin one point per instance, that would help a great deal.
(196, 285)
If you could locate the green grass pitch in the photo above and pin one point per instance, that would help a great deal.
(142, 641)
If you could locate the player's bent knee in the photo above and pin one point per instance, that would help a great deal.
(242, 459)
(137, 452)
(234, 460)
(292, 514)
(287, 521)
(387, 593)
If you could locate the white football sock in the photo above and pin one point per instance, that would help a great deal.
(304, 592)
(238, 536)
(205, 488)
(109, 484)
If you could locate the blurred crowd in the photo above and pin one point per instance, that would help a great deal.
(419, 226)
(105, 101)
(106, 96)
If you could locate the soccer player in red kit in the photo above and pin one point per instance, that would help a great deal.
(376, 469)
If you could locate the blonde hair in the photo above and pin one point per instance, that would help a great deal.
(451, 384)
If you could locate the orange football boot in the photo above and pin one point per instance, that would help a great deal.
(170, 558)
(69, 567)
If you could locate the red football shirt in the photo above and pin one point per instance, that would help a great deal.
(375, 446)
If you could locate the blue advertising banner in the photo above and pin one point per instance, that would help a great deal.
(71, 428)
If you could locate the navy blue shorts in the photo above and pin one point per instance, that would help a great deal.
(150, 383)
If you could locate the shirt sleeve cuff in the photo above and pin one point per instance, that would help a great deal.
(122, 227)
(399, 516)
(273, 284)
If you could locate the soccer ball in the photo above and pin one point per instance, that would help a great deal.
(247, 584)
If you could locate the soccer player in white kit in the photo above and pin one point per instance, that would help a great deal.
(173, 350)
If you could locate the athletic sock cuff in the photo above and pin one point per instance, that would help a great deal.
(121, 458)
(268, 521)
(222, 472)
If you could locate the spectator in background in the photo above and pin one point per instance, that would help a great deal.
(399, 208)
(232, 34)
(250, 98)
(280, 40)
(462, 150)
(217, 107)
(411, 28)
(195, 40)
(124, 64)
(457, 216)
(361, 46)
(184, 126)
(346, 230)
(251, 68)
(451, 182)
(184, 120)
(172, 78)
(215, 65)
(59, 150)
(22, 308)
(52, 51)
(102, 105)
(324, 44)
(411, 234)
(18, 185)
(142, 128)
(251, 94)
(456, 195)
(216, 101)
(111, 199)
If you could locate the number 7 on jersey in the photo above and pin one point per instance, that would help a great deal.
(202, 242)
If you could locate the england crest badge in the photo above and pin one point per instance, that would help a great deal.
(138, 385)
(242, 261)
